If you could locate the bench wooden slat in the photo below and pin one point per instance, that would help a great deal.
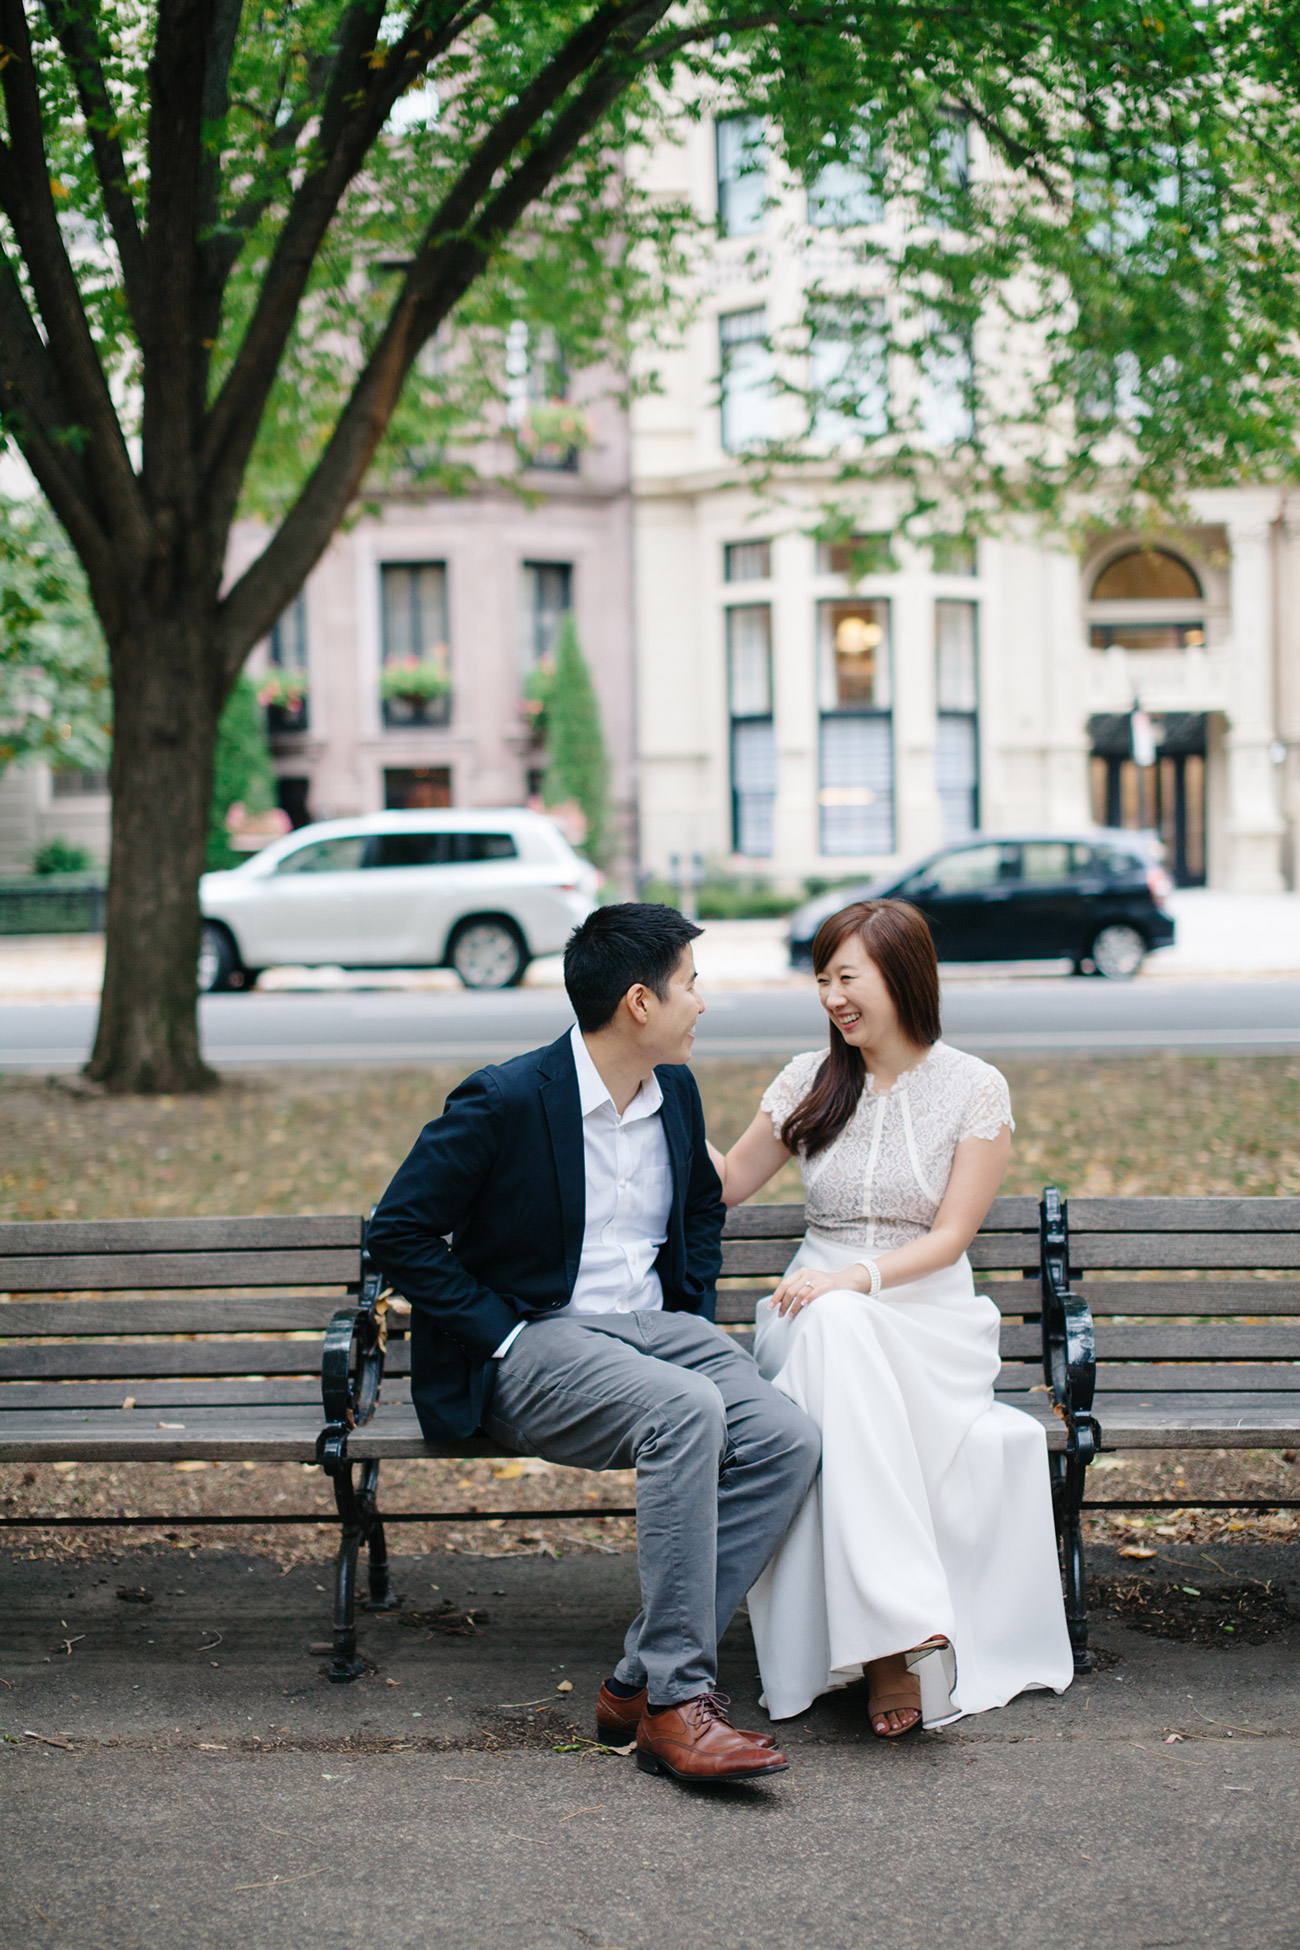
(1249, 1215)
(1171, 1378)
(253, 1234)
(1204, 1421)
(1160, 1342)
(140, 1360)
(1198, 1297)
(1008, 1252)
(1159, 1251)
(184, 1391)
(123, 1272)
(214, 1314)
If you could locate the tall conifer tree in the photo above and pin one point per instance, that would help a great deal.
(577, 762)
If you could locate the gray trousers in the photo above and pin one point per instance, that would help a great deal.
(723, 1462)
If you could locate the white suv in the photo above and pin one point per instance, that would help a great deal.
(480, 892)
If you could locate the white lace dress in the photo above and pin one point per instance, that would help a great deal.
(933, 1511)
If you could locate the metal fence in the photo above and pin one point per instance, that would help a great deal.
(63, 903)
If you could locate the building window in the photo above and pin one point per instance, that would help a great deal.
(546, 593)
(416, 678)
(956, 741)
(843, 193)
(950, 148)
(1147, 599)
(538, 411)
(747, 561)
(73, 783)
(856, 556)
(742, 175)
(747, 374)
(753, 737)
(419, 788)
(848, 372)
(293, 795)
(954, 555)
(285, 688)
(948, 388)
(289, 636)
(856, 797)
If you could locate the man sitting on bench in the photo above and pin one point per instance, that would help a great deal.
(570, 1317)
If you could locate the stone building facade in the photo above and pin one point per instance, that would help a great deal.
(813, 710)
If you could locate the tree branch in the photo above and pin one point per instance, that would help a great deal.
(35, 412)
(236, 413)
(173, 358)
(27, 198)
(78, 37)
(213, 269)
(441, 273)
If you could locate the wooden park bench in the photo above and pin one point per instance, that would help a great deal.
(285, 1322)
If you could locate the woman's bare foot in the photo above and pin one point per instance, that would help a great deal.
(893, 1696)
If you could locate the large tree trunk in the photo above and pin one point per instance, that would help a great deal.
(168, 693)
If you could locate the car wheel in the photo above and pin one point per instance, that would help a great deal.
(488, 955)
(1118, 952)
(220, 968)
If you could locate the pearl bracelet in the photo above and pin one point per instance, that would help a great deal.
(873, 1274)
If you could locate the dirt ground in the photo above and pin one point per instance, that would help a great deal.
(328, 1141)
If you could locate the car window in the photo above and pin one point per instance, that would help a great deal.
(1117, 864)
(1048, 860)
(969, 869)
(438, 849)
(342, 855)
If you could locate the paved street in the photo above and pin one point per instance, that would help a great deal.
(208, 1786)
(1015, 1013)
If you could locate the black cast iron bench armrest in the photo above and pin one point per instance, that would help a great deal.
(352, 1369)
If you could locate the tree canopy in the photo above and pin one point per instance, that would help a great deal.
(260, 255)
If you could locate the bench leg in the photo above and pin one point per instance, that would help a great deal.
(1068, 1475)
(346, 1664)
(381, 1596)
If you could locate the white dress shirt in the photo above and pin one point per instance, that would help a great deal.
(629, 1195)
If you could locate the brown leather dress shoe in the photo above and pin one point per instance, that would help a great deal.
(618, 1719)
(696, 1742)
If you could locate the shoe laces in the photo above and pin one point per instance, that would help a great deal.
(706, 1708)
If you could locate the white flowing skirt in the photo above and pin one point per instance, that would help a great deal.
(932, 1514)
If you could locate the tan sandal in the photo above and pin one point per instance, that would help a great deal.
(892, 1691)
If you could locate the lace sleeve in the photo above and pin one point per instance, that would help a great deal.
(989, 1107)
(787, 1091)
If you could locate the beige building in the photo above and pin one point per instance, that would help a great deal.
(472, 587)
(814, 710)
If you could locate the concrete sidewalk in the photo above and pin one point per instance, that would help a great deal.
(198, 1782)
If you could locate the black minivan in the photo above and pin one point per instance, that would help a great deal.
(1094, 899)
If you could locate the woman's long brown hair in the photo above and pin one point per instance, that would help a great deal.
(898, 940)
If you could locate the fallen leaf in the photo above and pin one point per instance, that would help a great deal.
(1171, 1739)
(392, 1682)
(565, 1686)
(188, 1466)
(129, 1402)
(629, 1749)
(63, 1468)
(1137, 1550)
(508, 1472)
(175, 1425)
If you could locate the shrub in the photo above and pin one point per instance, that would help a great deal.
(241, 770)
(60, 856)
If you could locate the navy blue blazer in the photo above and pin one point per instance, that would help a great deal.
(482, 1226)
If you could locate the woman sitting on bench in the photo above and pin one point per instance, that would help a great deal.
(925, 1555)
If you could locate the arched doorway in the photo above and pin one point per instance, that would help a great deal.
(1149, 602)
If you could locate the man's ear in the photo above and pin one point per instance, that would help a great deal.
(636, 1002)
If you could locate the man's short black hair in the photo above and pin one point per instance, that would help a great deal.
(616, 947)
